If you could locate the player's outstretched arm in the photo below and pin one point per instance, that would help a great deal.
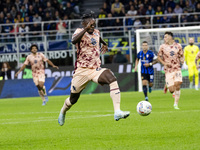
(50, 63)
(78, 37)
(22, 68)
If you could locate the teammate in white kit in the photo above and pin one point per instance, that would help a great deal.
(36, 60)
(87, 67)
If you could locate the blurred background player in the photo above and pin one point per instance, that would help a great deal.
(190, 53)
(5, 71)
(36, 60)
(87, 67)
(171, 55)
(148, 59)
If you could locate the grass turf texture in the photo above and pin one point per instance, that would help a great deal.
(25, 124)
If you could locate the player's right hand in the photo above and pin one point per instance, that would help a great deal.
(89, 24)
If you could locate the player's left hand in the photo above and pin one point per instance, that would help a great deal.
(104, 49)
(56, 67)
(146, 64)
(197, 67)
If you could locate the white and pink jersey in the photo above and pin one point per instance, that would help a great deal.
(88, 50)
(172, 54)
(37, 63)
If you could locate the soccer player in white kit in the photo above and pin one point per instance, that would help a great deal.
(87, 67)
(36, 60)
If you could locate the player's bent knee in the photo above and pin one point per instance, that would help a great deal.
(171, 89)
(41, 84)
(111, 77)
(177, 84)
(39, 87)
(74, 97)
(178, 88)
(107, 77)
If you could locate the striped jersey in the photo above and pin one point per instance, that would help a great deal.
(147, 57)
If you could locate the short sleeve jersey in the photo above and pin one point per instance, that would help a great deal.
(146, 58)
(88, 50)
(37, 63)
(171, 54)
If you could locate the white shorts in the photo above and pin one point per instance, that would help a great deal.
(84, 75)
(171, 78)
(39, 78)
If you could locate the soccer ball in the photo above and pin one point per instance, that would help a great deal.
(144, 108)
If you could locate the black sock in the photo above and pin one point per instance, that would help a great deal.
(145, 90)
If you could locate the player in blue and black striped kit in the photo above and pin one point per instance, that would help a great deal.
(148, 59)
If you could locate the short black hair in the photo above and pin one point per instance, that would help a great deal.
(34, 45)
(144, 42)
(88, 14)
(169, 33)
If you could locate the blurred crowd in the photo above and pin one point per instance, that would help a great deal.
(36, 11)
(12, 11)
(133, 8)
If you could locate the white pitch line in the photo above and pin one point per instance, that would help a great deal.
(177, 111)
(57, 112)
(42, 119)
(108, 111)
(22, 122)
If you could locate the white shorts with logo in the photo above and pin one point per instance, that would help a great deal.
(84, 75)
(171, 78)
(39, 78)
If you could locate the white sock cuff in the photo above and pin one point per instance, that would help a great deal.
(114, 86)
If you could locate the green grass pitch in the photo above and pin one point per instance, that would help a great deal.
(27, 125)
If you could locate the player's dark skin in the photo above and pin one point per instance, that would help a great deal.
(107, 76)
